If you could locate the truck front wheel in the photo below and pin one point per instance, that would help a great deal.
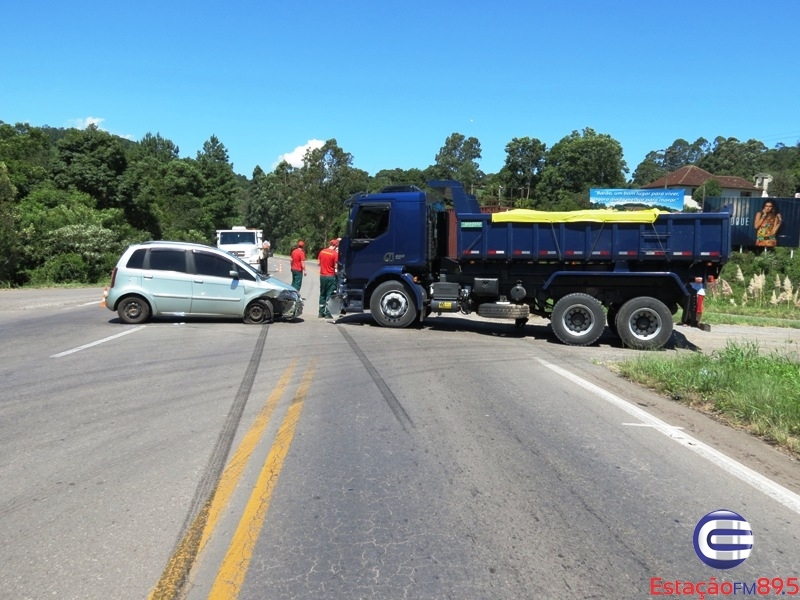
(578, 319)
(644, 323)
(392, 305)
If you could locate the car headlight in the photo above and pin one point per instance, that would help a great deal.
(289, 296)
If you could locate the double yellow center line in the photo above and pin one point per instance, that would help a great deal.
(237, 559)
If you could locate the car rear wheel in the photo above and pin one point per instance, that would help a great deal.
(258, 312)
(133, 310)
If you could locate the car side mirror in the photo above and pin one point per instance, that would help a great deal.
(234, 273)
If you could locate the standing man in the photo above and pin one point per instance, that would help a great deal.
(265, 256)
(327, 277)
(298, 265)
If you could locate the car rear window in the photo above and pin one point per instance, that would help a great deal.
(136, 260)
(168, 260)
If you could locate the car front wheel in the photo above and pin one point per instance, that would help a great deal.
(258, 312)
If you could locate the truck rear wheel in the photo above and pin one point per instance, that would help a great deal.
(578, 319)
(392, 305)
(644, 323)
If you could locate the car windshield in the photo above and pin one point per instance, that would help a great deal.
(237, 237)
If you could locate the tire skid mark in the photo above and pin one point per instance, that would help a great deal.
(173, 579)
(394, 404)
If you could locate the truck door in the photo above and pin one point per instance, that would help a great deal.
(372, 242)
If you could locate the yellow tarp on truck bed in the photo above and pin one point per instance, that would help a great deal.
(523, 215)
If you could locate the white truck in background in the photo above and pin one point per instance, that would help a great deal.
(242, 242)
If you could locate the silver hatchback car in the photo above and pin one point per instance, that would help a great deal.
(183, 279)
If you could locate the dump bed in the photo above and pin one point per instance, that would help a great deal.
(667, 237)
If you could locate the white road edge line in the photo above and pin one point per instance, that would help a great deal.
(109, 338)
(766, 486)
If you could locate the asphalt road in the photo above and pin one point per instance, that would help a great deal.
(316, 459)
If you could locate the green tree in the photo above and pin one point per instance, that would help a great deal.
(54, 223)
(524, 161)
(92, 161)
(145, 182)
(220, 188)
(458, 160)
(710, 188)
(180, 210)
(327, 179)
(682, 153)
(387, 177)
(732, 157)
(577, 163)
(27, 154)
(660, 163)
(783, 185)
(9, 236)
(282, 194)
(650, 169)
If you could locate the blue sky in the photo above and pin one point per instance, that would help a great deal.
(391, 80)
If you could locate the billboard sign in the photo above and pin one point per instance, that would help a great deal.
(660, 198)
(743, 218)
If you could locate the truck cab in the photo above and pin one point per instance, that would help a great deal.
(242, 242)
(391, 235)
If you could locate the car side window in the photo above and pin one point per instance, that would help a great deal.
(212, 265)
(243, 274)
(371, 222)
(136, 260)
(167, 260)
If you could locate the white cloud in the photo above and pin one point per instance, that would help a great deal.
(295, 157)
(84, 123)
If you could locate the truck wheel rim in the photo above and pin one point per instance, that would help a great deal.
(578, 320)
(394, 305)
(645, 323)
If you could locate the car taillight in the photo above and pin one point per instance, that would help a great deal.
(113, 277)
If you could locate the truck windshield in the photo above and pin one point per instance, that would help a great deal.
(237, 237)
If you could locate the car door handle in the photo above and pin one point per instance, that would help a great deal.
(198, 281)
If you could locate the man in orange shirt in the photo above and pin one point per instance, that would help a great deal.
(298, 265)
(327, 276)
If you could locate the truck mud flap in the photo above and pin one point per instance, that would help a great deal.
(491, 310)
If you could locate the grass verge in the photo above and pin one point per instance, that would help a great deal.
(740, 385)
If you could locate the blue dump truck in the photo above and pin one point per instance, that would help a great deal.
(406, 255)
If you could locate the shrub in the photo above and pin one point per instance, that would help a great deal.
(62, 268)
